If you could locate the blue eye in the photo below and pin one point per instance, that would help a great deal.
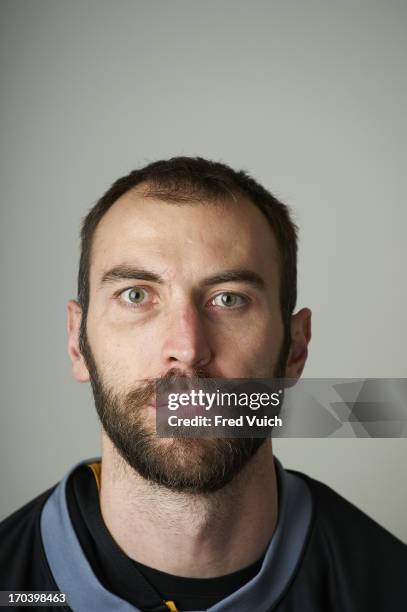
(228, 300)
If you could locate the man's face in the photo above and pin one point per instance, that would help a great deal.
(185, 289)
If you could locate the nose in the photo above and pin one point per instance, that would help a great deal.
(186, 343)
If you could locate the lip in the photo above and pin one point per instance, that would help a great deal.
(181, 410)
(154, 406)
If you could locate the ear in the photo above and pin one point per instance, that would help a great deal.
(79, 369)
(300, 338)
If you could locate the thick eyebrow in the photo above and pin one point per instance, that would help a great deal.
(126, 272)
(236, 275)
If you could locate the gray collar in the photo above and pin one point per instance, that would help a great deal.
(74, 576)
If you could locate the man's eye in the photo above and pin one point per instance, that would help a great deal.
(228, 300)
(134, 296)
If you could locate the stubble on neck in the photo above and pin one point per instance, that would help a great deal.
(190, 534)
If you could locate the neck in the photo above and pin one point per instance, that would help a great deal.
(190, 535)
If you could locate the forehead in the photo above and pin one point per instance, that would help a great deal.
(184, 237)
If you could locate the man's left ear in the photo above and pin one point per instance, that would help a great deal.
(300, 338)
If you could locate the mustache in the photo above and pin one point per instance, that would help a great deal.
(174, 379)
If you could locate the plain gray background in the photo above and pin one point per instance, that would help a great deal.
(308, 96)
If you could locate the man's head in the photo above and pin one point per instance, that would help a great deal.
(187, 268)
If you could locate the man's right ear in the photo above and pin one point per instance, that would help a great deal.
(79, 370)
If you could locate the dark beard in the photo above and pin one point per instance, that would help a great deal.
(188, 465)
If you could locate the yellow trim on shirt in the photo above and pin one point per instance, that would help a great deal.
(97, 472)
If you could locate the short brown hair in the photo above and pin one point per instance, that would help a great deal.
(194, 179)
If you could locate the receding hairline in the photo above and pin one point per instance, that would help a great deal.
(146, 190)
(142, 192)
(186, 193)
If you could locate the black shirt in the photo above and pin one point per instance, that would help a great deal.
(348, 562)
(138, 584)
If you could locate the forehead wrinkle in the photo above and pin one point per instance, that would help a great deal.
(126, 204)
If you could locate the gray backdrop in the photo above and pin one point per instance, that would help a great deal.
(309, 96)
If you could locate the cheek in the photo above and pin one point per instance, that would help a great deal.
(124, 354)
(251, 349)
